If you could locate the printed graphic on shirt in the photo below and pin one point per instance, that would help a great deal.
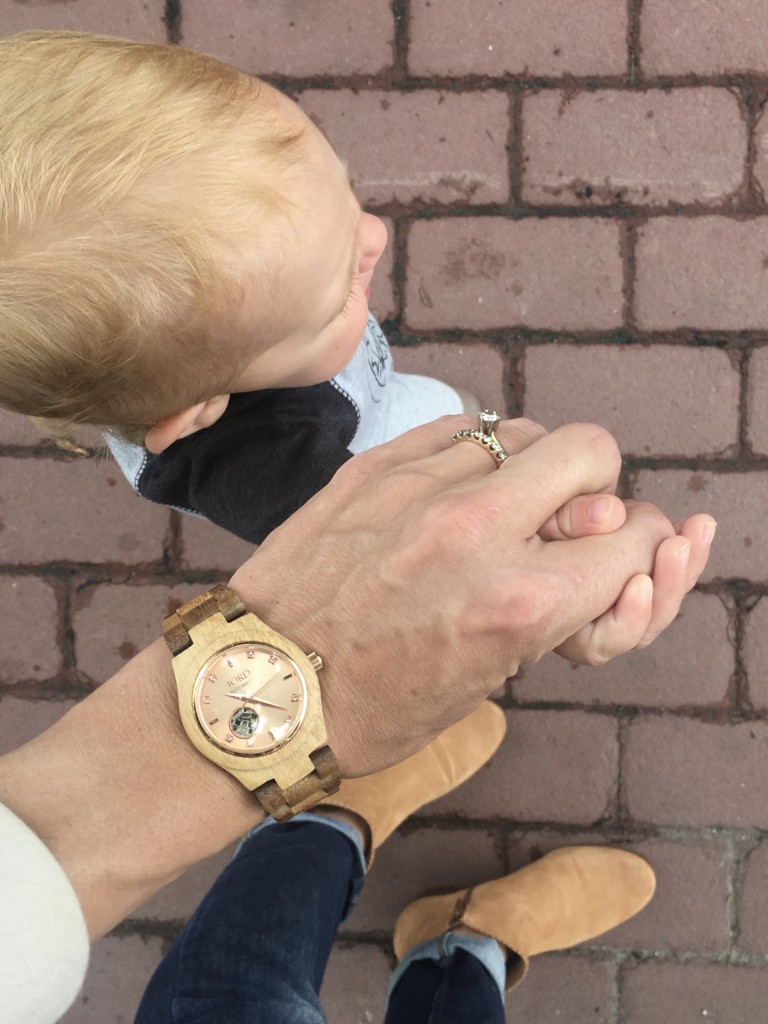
(379, 359)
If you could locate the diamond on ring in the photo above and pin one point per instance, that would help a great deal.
(484, 435)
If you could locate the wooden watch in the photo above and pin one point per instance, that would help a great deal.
(249, 701)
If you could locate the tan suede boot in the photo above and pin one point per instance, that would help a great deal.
(386, 798)
(567, 897)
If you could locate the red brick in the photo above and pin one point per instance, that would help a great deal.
(757, 401)
(141, 20)
(207, 546)
(552, 766)
(414, 862)
(179, 900)
(112, 623)
(704, 39)
(338, 37)
(477, 367)
(755, 654)
(497, 37)
(28, 630)
(437, 147)
(355, 986)
(16, 429)
(598, 148)
(694, 993)
(693, 392)
(22, 720)
(118, 973)
(690, 664)
(677, 917)
(677, 771)
(484, 272)
(564, 988)
(383, 303)
(81, 511)
(753, 908)
(704, 272)
(736, 500)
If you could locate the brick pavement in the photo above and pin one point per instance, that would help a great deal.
(575, 195)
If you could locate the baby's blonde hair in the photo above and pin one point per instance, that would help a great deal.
(115, 260)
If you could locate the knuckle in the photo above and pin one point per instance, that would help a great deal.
(601, 440)
(653, 517)
(525, 612)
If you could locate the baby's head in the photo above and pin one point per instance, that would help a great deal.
(171, 231)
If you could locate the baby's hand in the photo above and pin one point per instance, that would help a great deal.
(648, 604)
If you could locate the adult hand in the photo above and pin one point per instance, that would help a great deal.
(421, 577)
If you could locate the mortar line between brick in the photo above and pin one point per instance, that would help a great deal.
(515, 148)
(628, 255)
(750, 102)
(401, 42)
(634, 44)
(479, 83)
(745, 366)
(172, 19)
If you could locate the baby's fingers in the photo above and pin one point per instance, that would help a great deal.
(616, 631)
(699, 529)
(670, 585)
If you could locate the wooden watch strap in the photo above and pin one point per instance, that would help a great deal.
(176, 627)
(282, 804)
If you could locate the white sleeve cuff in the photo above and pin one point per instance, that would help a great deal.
(43, 934)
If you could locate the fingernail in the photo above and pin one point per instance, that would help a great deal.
(645, 590)
(684, 553)
(709, 532)
(599, 510)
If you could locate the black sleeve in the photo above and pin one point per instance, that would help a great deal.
(269, 454)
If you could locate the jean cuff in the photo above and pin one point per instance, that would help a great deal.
(482, 948)
(356, 882)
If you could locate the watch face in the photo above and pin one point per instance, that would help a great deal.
(250, 699)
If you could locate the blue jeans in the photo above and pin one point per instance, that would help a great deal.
(256, 948)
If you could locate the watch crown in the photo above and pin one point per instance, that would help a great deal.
(315, 661)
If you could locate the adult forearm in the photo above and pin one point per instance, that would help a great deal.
(119, 795)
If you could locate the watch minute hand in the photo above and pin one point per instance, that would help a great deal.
(255, 700)
(265, 685)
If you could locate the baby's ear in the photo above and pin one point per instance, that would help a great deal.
(184, 423)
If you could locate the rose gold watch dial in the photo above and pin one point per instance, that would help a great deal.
(250, 699)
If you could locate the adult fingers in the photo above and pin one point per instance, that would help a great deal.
(465, 459)
(585, 515)
(573, 460)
